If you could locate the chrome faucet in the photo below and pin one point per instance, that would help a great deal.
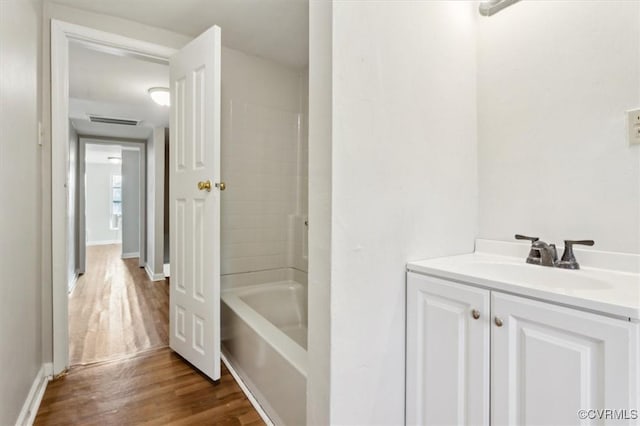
(534, 255)
(548, 253)
(568, 260)
(545, 254)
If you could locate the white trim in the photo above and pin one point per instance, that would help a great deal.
(151, 275)
(61, 34)
(59, 158)
(74, 281)
(103, 242)
(130, 255)
(166, 268)
(48, 370)
(246, 391)
(34, 397)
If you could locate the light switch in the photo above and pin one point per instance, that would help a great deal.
(633, 126)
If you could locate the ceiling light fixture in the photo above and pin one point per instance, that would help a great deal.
(160, 95)
(116, 160)
(490, 7)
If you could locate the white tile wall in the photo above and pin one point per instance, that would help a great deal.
(263, 155)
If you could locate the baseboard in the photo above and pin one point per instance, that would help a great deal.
(103, 242)
(34, 397)
(72, 283)
(247, 392)
(130, 255)
(151, 275)
(48, 370)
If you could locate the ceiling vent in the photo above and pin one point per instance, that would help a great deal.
(113, 120)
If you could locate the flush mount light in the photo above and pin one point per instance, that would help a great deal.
(160, 95)
(115, 160)
(490, 7)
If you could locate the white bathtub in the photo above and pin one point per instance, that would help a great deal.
(264, 337)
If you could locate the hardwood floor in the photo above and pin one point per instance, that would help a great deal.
(154, 388)
(115, 311)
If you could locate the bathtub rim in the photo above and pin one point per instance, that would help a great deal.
(284, 345)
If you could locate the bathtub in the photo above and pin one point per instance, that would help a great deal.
(264, 338)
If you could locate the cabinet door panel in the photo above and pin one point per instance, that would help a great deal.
(548, 362)
(447, 353)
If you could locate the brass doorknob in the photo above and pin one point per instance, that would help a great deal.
(222, 186)
(204, 185)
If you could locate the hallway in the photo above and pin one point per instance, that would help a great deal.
(115, 311)
(123, 371)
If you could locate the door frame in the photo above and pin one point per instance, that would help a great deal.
(63, 33)
(135, 144)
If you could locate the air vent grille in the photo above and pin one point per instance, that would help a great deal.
(113, 120)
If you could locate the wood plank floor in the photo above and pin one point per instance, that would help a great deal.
(115, 310)
(154, 388)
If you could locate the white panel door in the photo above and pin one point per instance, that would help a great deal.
(194, 212)
(548, 362)
(447, 353)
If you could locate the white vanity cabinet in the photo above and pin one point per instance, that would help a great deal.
(477, 356)
(447, 353)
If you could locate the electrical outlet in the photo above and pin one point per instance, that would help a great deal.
(633, 126)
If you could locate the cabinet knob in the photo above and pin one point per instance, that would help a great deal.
(498, 322)
(475, 314)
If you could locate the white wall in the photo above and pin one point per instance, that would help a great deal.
(554, 81)
(98, 204)
(72, 207)
(403, 182)
(155, 203)
(131, 203)
(20, 218)
(259, 150)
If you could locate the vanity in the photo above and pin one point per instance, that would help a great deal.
(494, 340)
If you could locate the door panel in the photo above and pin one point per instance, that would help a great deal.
(447, 353)
(548, 362)
(195, 213)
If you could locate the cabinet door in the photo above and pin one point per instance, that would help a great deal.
(548, 362)
(447, 353)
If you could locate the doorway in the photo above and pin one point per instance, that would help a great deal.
(118, 295)
(189, 208)
(115, 309)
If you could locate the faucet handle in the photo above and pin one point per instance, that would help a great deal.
(524, 237)
(568, 260)
(534, 254)
(579, 242)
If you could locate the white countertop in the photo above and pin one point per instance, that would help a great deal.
(606, 291)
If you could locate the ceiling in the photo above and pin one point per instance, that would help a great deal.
(95, 75)
(99, 153)
(114, 86)
(273, 29)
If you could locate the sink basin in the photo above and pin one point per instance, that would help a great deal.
(600, 290)
(540, 276)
